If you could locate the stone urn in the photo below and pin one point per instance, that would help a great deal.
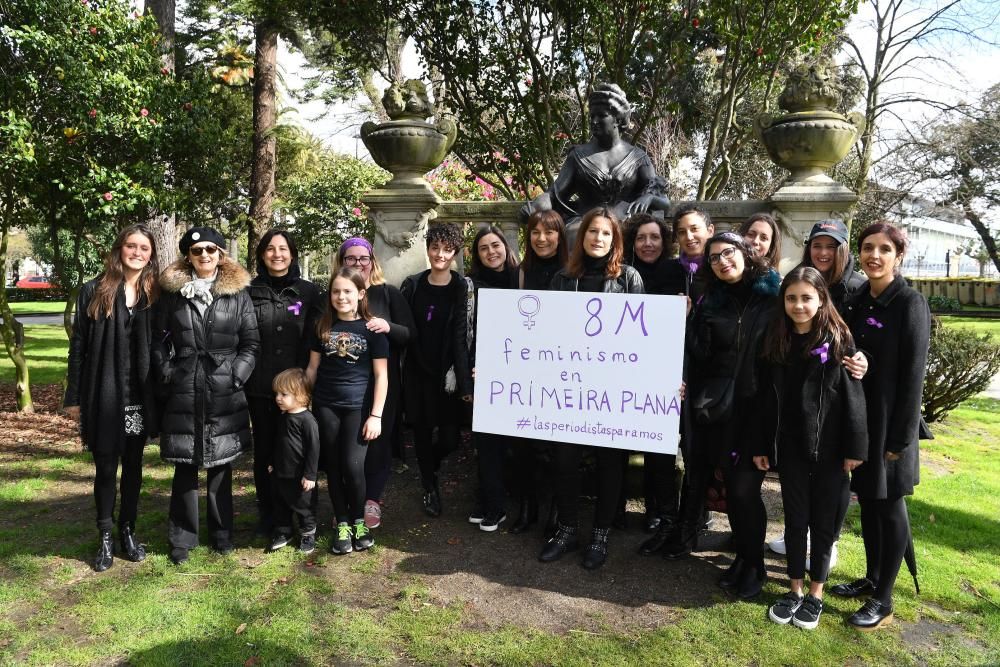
(408, 146)
(811, 137)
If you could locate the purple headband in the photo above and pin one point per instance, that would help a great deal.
(355, 241)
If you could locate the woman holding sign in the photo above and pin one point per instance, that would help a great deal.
(595, 265)
(723, 340)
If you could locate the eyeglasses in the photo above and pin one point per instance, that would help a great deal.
(719, 256)
(361, 260)
(210, 249)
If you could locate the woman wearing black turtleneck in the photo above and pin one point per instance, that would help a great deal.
(286, 306)
(594, 266)
(493, 267)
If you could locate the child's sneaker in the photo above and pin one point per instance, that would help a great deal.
(476, 516)
(363, 538)
(782, 611)
(308, 543)
(279, 542)
(492, 520)
(807, 615)
(373, 514)
(342, 543)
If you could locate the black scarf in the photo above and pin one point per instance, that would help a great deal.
(505, 278)
(594, 273)
(278, 283)
(542, 270)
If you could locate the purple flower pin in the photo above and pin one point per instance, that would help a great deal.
(295, 308)
(823, 352)
(871, 321)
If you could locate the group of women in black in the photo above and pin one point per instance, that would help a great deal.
(772, 374)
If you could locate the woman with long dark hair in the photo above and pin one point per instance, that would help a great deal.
(891, 323)
(493, 266)
(595, 265)
(286, 306)
(205, 349)
(109, 388)
(723, 341)
(391, 316)
(763, 235)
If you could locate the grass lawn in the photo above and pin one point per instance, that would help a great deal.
(977, 324)
(438, 592)
(46, 347)
(38, 307)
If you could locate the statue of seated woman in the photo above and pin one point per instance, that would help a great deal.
(605, 171)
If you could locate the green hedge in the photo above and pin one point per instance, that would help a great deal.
(22, 294)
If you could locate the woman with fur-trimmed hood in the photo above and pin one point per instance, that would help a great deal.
(205, 345)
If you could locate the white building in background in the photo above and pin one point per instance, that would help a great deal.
(939, 241)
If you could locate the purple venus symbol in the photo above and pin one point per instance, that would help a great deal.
(529, 305)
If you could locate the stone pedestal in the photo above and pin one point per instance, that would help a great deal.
(401, 216)
(798, 205)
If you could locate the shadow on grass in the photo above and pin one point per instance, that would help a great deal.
(223, 649)
(954, 528)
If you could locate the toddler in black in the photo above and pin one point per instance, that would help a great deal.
(296, 460)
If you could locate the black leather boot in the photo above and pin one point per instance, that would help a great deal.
(731, 578)
(751, 581)
(527, 515)
(660, 539)
(597, 552)
(105, 557)
(685, 541)
(561, 543)
(131, 548)
(552, 523)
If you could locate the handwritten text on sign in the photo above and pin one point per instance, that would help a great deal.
(583, 367)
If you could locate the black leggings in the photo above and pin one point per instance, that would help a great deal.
(885, 528)
(343, 452)
(566, 461)
(106, 487)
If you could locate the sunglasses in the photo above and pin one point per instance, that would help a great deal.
(210, 249)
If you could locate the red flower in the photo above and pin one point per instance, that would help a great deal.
(108, 196)
(92, 113)
(164, 71)
(144, 112)
(759, 51)
(93, 30)
(695, 22)
(187, 106)
(528, 81)
(356, 211)
(562, 135)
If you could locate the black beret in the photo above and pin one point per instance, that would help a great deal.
(201, 235)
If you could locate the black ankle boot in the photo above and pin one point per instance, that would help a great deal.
(105, 557)
(731, 578)
(660, 539)
(527, 515)
(684, 541)
(131, 548)
(561, 543)
(552, 523)
(751, 581)
(597, 552)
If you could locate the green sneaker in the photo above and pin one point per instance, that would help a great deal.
(363, 538)
(342, 539)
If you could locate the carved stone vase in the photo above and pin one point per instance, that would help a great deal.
(811, 137)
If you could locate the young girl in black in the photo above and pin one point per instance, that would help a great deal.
(348, 371)
(815, 430)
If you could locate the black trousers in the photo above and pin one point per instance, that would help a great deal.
(378, 464)
(431, 452)
(289, 499)
(264, 414)
(662, 490)
(531, 469)
(811, 492)
(745, 508)
(492, 452)
(106, 486)
(183, 520)
(566, 461)
(885, 528)
(342, 453)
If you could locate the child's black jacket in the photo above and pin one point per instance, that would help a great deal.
(834, 417)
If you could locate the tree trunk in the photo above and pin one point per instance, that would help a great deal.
(12, 333)
(984, 234)
(264, 142)
(164, 226)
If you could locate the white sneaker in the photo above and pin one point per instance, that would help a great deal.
(778, 545)
(833, 557)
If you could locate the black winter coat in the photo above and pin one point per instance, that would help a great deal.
(284, 320)
(100, 354)
(832, 405)
(387, 302)
(893, 330)
(454, 350)
(628, 282)
(203, 362)
(847, 286)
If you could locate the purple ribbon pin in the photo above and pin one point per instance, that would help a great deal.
(871, 321)
(823, 352)
(430, 312)
(295, 308)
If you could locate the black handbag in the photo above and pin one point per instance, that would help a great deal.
(714, 402)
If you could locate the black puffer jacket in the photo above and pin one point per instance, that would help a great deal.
(203, 362)
(628, 282)
(285, 315)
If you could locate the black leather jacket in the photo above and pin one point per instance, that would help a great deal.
(628, 282)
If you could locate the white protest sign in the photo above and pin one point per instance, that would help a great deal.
(582, 367)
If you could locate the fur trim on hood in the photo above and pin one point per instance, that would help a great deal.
(231, 277)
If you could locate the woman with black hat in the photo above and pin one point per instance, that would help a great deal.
(286, 306)
(205, 348)
(109, 388)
